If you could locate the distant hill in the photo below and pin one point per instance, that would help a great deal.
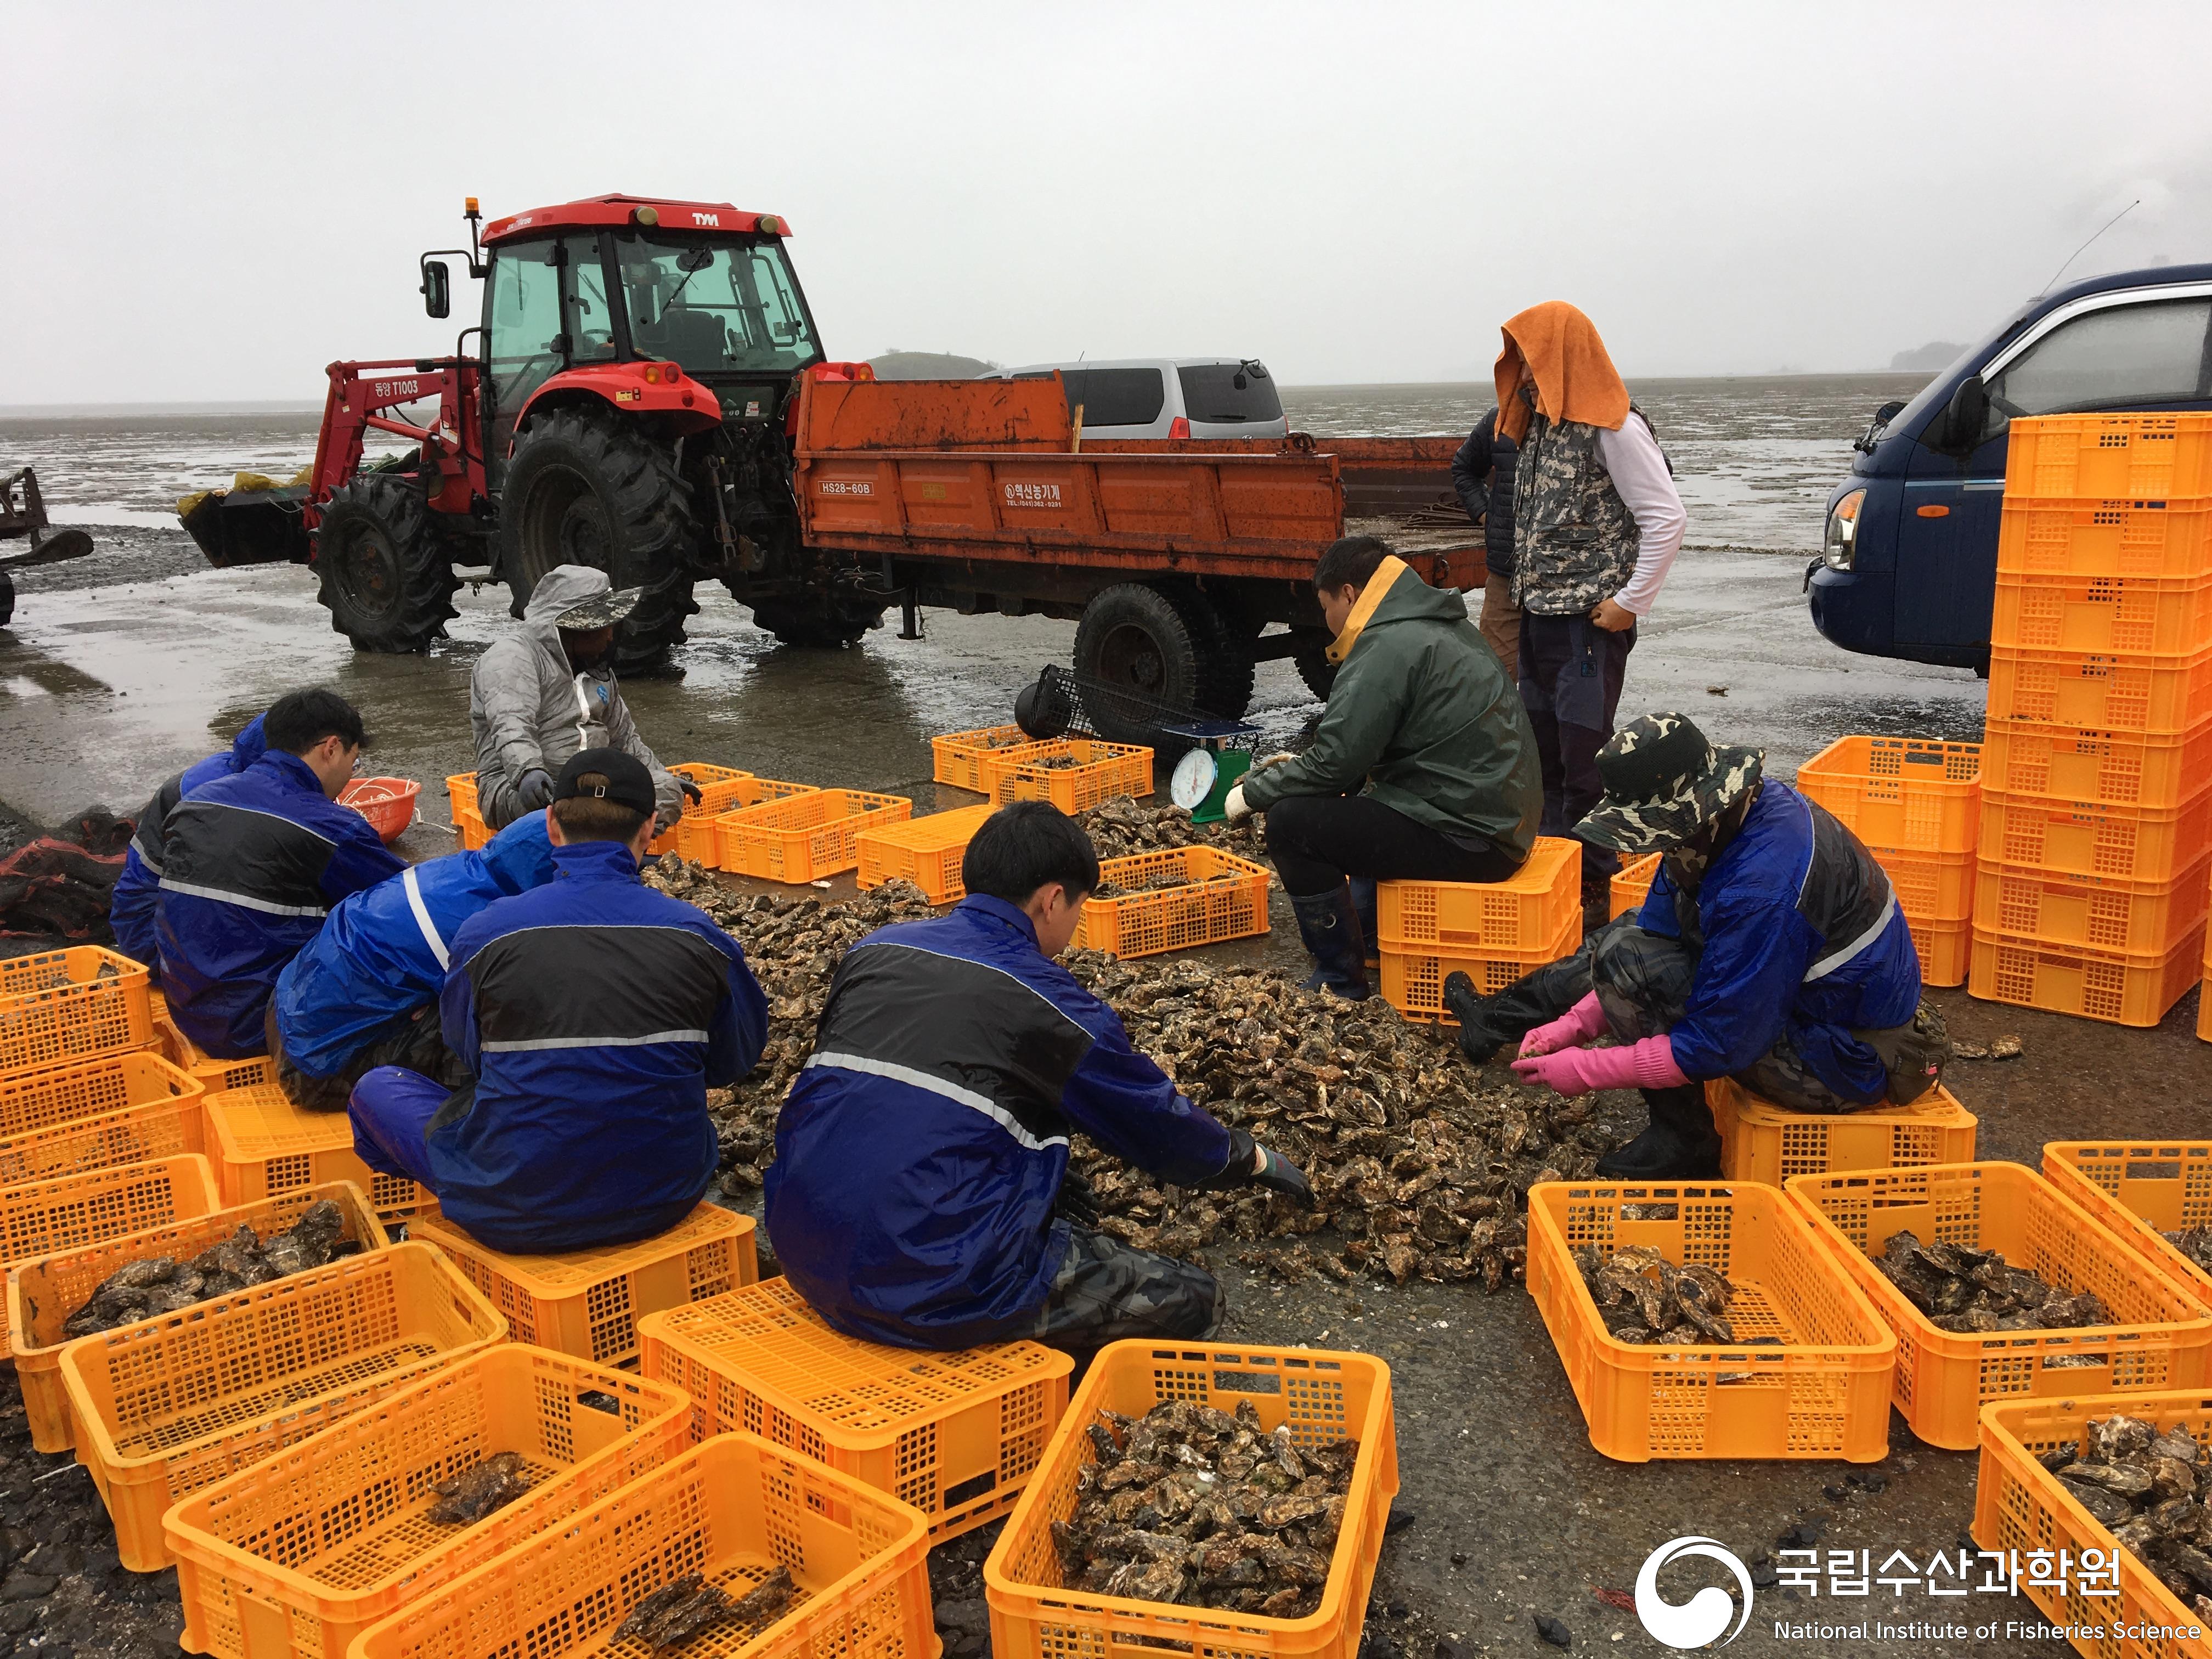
(927, 365)
(1936, 354)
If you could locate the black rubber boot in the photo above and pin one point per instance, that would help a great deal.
(1487, 1023)
(1363, 903)
(1329, 928)
(1681, 1143)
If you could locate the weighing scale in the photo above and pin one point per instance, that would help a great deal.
(1203, 778)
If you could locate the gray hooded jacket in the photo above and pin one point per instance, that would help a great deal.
(529, 709)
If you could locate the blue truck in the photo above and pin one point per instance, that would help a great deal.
(1908, 558)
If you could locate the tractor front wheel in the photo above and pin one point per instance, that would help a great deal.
(386, 577)
(592, 486)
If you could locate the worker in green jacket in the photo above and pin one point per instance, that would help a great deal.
(1424, 769)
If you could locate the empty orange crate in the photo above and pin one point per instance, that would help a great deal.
(468, 819)
(2061, 837)
(2130, 615)
(2121, 987)
(693, 837)
(1918, 794)
(927, 852)
(2162, 455)
(701, 836)
(1102, 770)
(2144, 1189)
(1946, 949)
(55, 1095)
(955, 1435)
(732, 1511)
(1760, 1141)
(214, 1075)
(64, 1211)
(1225, 897)
(2076, 536)
(43, 1292)
(166, 1405)
(805, 837)
(263, 1145)
(60, 1005)
(587, 1302)
(2020, 1507)
(2160, 1338)
(1414, 980)
(1822, 1392)
(958, 756)
(1633, 884)
(2107, 913)
(294, 1558)
(1516, 915)
(2107, 692)
(1930, 886)
(2098, 768)
(1322, 1397)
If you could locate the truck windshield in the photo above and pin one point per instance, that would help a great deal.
(715, 304)
(1229, 391)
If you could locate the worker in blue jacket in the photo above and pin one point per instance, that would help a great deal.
(252, 863)
(1769, 949)
(593, 1014)
(364, 993)
(137, 890)
(916, 1196)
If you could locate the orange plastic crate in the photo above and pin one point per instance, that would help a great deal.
(2076, 536)
(1760, 1141)
(55, 1095)
(63, 1213)
(927, 852)
(1822, 1392)
(805, 837)
(732, 1510)
(1322, 1396)
(468, 819)
(263, 1145)
(2163, 1333)
(693, 835)
(955, 1435)
(587, 1302)
(43, 1292)
(1226, 898)
(1916, 794)
(2061, 837)
(132, 1135)
(2108, 692)
(697, 837)
(294, 1558)
(1104, 770)
(2106, 913)
(1946, 949)
(2161, 455)
(958, 756)
(2144, 1189)
(2020, 1506)
(214, 1075)
(60, 1005)
(2129, 616)
(166, 1405)
(1930, 886)
(2135, 770)
(2119, 987)
(1516, 915)
(1633, 884)
(1414, 980)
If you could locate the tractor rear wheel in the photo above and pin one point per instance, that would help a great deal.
(593, 488)
(386, 579)
(1135, 636)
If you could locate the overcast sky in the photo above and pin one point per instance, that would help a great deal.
(202, 203)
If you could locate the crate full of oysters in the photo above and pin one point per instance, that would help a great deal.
(1205, 1497)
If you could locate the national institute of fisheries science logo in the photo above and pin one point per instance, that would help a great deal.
(1699, 1622)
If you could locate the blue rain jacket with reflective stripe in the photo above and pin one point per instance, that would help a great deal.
(595, 1013)
(131, 906)
(384, 953)
(1800, 930)
(919, 1154)
(251, 864)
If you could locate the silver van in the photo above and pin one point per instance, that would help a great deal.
(1167, 396)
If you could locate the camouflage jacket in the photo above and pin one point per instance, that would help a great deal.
(1574, 539)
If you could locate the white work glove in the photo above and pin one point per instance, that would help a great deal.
(1233, 806)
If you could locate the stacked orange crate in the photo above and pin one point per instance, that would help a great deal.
(2091, 887)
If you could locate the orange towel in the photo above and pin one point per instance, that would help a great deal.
(1576, 380)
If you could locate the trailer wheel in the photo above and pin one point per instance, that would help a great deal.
(823, 621)
(1225, 664)
(588, 487)
(1135, 636)
(1311, 660)
(386, 577)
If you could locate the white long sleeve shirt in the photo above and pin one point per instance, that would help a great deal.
(1640, 474)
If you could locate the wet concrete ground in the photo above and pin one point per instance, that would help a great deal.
(104, 690)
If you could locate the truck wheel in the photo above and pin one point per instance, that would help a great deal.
(818, 621)
(592, 486)
(1135, 636)
(386, 577)
(1312, 661)
(1225, 664)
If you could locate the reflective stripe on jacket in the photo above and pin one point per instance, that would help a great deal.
(137, 890)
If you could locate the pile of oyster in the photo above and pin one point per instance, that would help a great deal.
(163, 1284)
(1195, 1507)
(1965, 1290)
(478, 1489)
(1123, 825)
(676, 1612)
(1161, 881)
(2151, 1490)
(2195, 1243)
(1644, 1299)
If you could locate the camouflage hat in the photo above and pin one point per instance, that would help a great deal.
(1664, 781)
(600, 611)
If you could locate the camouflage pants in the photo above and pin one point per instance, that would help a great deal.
(1106, 1290)
(418, 1044)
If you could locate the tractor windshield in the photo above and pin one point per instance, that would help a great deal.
(715, 304)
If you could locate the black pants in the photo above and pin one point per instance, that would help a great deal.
(1570, 675)
(1316, 841)
(1109, 1292)
(417, 1043)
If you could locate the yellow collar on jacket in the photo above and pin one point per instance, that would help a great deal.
(1385, 576)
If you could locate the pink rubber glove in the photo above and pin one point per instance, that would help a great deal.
(1583, 1023)
(1646, 1064)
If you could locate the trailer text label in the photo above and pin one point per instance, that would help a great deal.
(1032, 494)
